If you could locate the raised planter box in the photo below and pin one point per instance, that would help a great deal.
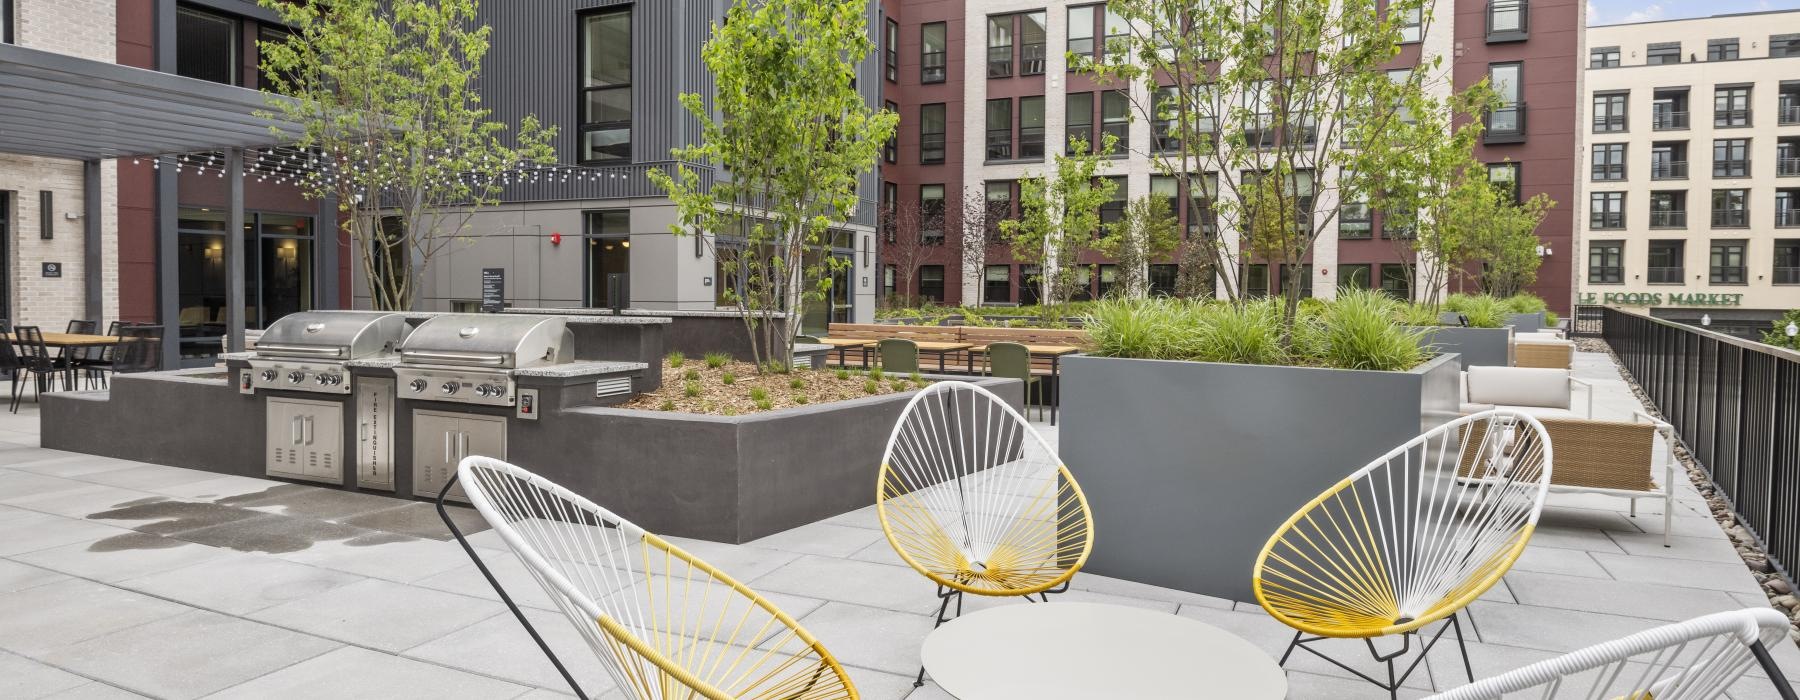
(1190, 466)
(1473, 346)
(1526, 323)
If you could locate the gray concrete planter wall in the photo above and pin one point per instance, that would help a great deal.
(1190, 466)
(1526, 323)
(1473, 346)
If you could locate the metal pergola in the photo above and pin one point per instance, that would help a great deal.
(58, 106)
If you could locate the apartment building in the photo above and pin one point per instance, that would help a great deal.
(1691, 174)
(986, 97)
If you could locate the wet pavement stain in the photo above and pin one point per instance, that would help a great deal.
(134, 541)
(168, 517)
(161, 523)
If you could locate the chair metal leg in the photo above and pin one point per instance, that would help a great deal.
(444, 514)
(944, 595)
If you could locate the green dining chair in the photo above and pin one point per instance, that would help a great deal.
(1013, 361)
(899, 356)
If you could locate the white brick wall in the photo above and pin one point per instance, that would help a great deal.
(84, 28)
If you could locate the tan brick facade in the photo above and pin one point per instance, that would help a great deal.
(84, 28)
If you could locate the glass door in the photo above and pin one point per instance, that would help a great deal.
(5, 255)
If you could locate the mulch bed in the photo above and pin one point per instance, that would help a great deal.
(713, 396)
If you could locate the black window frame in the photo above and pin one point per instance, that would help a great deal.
(1002, 294)
(1736, 163)
(927, 143)
(590, 220)
(1349, 273)
(891, 52)
(930, 214)
(890, 151)
(998, 121)
(936, 285)
(1674, 215)
(1606, 211)
(1611, 112)
(582, 90)
(1086, 126)
(1785, 265)
(1733, 117)
(1520, 32)
(1357, 228)
(1517, 133)
(1603, 57)
(1720, 254)
(1119, 127)
(235, 60)
(6, 22)
(1658, 54)
(1032, 61)
(1729, 216)
(1001, 67)
(1672, 252)
(1030, 140)
(931, 71)
(1606, 262)
(1607, 162)
(1721, 49)
(1516, 174)
(1784, 45)
(1072, 42)
(1398, 286)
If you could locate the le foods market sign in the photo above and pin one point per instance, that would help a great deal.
(1661, 299)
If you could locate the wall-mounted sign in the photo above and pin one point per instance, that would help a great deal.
(1662, 299)
(53, 269)
(493, 289)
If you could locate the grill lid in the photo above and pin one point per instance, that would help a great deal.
(332, 335)
(498, 341)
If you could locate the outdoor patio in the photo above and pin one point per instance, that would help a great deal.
(120, 579)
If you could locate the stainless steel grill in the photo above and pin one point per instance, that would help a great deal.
(471, 358)
(306, 351)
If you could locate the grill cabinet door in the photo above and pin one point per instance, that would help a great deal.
(305, 440)
(441, 440)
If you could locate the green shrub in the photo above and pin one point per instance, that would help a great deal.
(667, 405)
(843, 374)
(676, 359)
(1416, 315)
(764, 404)
(917, 378)
(728, 378)
(1525, 304)
(758, 393)
(871, 386)
(692, 389)
(716, 360)
(875, 374)
(1482, 311)
(796, 383)
(1777, 333)
(1358, 332)
(691, 374)
(1248, 333)
(898, 385)
(1551, 319)
(801, 399)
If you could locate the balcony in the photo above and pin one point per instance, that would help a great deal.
(1505, 124)
(1668, 120)
(1669, 170)
(1786, 275)
(1031, 59)
(1668, 219)
(1730, 218)
(999, 62)
(1787, 218)
(1787, 114)
(1664, 275)
(931, 67)
(1787, 167)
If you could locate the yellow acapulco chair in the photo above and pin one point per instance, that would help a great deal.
(974, 499)
(663, 623)
(1406, 541)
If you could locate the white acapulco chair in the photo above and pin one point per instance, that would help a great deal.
(1408, 540)
(1698, 659)
(974, 499)
(663, 623)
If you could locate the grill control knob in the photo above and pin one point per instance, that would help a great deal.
(496, 391)
(482, 390)
(337, 379)
(296, 376)
(418, 385)
(269, 375)
(450, 387)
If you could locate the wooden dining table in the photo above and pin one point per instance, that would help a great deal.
(70, 340)
(941, 349)
(1054, 352)
(844, 345)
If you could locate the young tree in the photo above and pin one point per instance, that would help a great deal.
(1275, 88)
(1148, 232)
(1504, 240)
(906, 246)
(978, 220)
(794, 134)
(1061, 218)
(384, 91)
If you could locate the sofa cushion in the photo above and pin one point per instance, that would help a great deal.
(1519, 386)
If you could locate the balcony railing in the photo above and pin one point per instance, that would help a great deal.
(1731, 168)
(999, 144)
(1731, 117)
(1730, 218)
(999, 62)
(1787, 218)
(1668, 120)
(1786, 275)
(931, 148)
(931, 67)
(1728, 274)
(1505, 124)
(1668, 219)
(1788, 114)
(1664, 275)
(1031, 59)
(1787, 167)
(1669, 170)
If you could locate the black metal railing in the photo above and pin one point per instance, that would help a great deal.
(1788, 114)
(1604, 123)
(1731, 118)
(1735, 405)
(1787, 167)
(1787, 218)
(1589, 322)
(1730, 218)
(1668, 120)
(1664, 275)
(1737, 167)
(1668, 219)
(1786, 275)
(1668, 170)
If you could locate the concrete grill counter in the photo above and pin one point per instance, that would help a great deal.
(729, 479)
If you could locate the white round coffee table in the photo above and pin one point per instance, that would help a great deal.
(1048, 651)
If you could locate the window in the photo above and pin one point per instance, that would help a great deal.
(1113, 210)
(1787, 103)
(1781, 45)
(1606, 210)
(1787, 261)
(1109, 279)
(1604, 57)
(1115, 120)
(1396, 280)
(1032, 41)
(1727, 262)
(206, 45)
(890, 151)
(1666, 262)
(1609, 161)
(1256, 281)
(1668, 209)
(1505, 176)
(1506, 121)
(270, 35)
(1506, 19)
(608, 239)
(1355, 276)
(890, 210)
(1305, 272)
(1787, 208)
(891, 52)
(999, 129)
(1412, 26)
(1168, 189)
(1084, 283)
(1730, 208)
(1658, 54)
(1669, 109)
(1079, 108)
(1609, 112)
(1117, 29)
(1355, 221)
(1731, 157)
(1731, 106)
(1163, 278)
(1402, 76)
(1722, 49)
(996, 284)
(1031, 127)
(1168, 111)
(999, 204)
(931, 214)
(1606, 262)
(1031, 281)
(6, 25)
(1668, 160)
(606, 86)
(1000, 46)
(933, 45)
(931, 283)
(889, 275)
(1081, 31)
(278, 270)
(931, 133)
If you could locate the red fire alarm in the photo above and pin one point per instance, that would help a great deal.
(555, 238)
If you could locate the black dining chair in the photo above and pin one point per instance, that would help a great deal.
(11, 366)
(68, 359)
(98, 361)
(139, 349)
(35, 362)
